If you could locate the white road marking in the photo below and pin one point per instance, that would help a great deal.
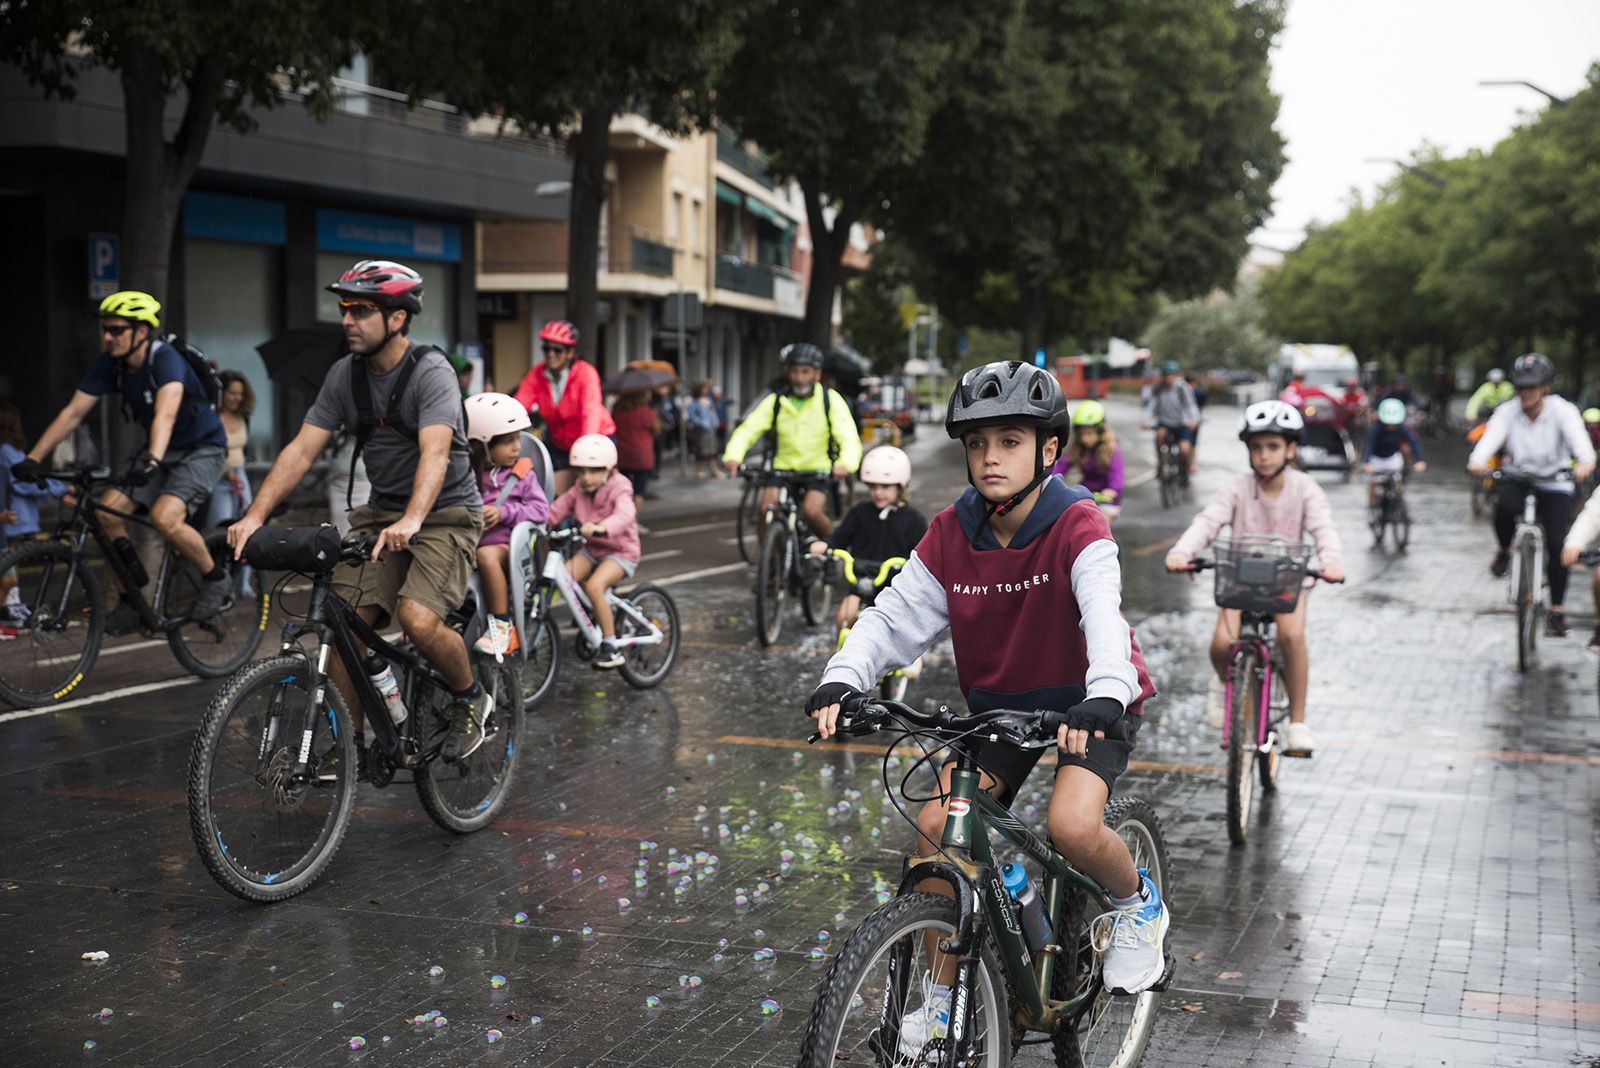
(99, 698)
(68, 658)
(667, 532)
(704, 572)
(660, 554)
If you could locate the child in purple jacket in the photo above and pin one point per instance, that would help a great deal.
(1094, 450)
(494, 438)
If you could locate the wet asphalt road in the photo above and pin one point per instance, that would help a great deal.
(1423, 891)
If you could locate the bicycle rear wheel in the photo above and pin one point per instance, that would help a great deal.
(263, 832)
(214, 647)
(1400, 527)
(57, 644)
(816, 596)
(772, 582)
(1167, 476)
(747, 523)
(880, 975)
(1113, 1031)
(466, 795)
(645, 666)
(1243, 720)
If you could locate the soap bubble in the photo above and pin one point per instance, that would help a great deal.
(599, 880)
(817, 953)
(623, 904)
(105, 1014)
(521, 917)
(586, 931)
(89, 1044)
(497, 981)
(769, 1007)
(695, 982)
(493, 1036)
(437, 971)
(577, 873)
(337, 1005)
(357, 1042)
(722, 943)
(823, 936)
(441, 1022)
(555, 940)
(716, 958)
(652, 1002)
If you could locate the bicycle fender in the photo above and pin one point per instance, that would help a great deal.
(961, 887)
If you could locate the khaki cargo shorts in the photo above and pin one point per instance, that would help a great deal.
(434, 571)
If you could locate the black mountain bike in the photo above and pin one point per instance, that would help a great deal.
(1172, 474)
(62, 592)
(1389, 514)
(783, 567)
(273, 770)
(1001, 989)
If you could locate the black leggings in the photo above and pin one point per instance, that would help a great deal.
(1555, 516)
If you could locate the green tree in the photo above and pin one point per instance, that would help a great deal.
(838, 94)
(1224, 331)
(219, 60)
(872, 303)
(567, 67)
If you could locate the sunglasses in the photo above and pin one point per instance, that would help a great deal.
(357, 309)
(114, 331)
(550, 349)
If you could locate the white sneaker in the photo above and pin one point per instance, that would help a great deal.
(608, 655)
(922, 1025)
(1216, 703)
(1136, 956)
(15, 612)
(1298, 739)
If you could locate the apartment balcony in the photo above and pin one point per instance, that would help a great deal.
(774, 289)
(752, 165)
(531, 254)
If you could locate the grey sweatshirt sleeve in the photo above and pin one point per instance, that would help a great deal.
(1097, 587)
(894, 631)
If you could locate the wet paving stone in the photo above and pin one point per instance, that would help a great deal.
(1421, 892)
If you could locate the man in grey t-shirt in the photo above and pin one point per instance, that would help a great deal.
(425, 511)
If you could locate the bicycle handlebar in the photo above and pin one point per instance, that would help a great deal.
(885, 567)
(1207, 565)
(1034, 729)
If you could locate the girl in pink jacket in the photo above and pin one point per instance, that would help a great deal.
(1277, 500)
(602, 504)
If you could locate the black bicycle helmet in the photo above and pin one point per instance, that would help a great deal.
(803, 353)
(1532, 369)
(1007, 391)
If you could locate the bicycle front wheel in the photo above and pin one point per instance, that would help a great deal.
(1113, 1030)
(1243, 719)
(1401, 525)
(772, 582)
(882, 974)
(264, 832)
(645, 666)
(747, 523)
(466, 795)
(1527, 621)
(57, 642)
(212, 648)
(542, 651)
(816, 596)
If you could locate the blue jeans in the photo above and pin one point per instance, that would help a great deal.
(226, 504)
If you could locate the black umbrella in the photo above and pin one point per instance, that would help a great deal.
(639, 378)
(302, 356)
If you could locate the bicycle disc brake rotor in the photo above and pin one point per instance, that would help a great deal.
(278, 776)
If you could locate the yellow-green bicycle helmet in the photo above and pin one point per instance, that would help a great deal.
(134, 306)
(1089, 413)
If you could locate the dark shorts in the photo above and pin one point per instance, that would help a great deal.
(806, 485)
(1107, 758)
(1182, 433)
(559, 459)
(187, 474)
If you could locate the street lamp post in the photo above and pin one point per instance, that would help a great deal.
(1555, 101)
(1426, 175)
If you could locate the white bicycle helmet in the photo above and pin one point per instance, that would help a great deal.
(491, 414)
(886, 466)
(1271, 417)
(593, 450)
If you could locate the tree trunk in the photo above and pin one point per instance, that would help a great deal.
(1030, 308)
(827, 255)
(158, 172)
(591, 147)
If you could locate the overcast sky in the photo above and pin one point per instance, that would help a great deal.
(1378, 78)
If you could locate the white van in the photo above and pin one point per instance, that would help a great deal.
(1327, 367)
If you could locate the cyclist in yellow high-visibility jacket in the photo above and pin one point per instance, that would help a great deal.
(814, 430)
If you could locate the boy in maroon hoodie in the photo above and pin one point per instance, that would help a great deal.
(1024, 572)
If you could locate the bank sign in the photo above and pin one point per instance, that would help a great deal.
(388, 236)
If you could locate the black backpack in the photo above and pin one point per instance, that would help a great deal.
(367, 419)
(827, 418)
(210, 381)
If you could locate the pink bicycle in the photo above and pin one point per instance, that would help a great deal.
(1262, 577)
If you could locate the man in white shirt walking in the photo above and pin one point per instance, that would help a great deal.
(1542, 436)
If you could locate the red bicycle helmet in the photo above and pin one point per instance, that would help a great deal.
(384, 282)
(560, 332)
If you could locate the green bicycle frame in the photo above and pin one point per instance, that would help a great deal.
(966, 832)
